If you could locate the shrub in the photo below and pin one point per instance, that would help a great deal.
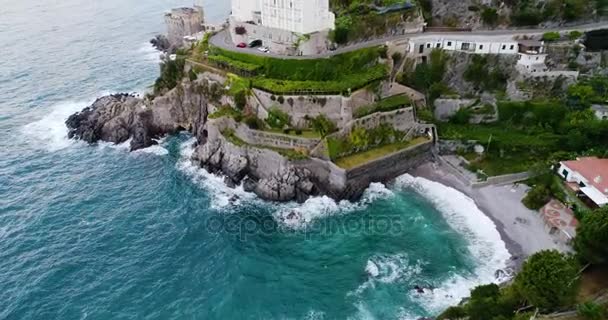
(591, 311)
(254, 123)
(489, 16)
(322, 125)
(299, 132)
(551, 36)
(281, 99)
(277, 119)
(573, 35)
(462, 116)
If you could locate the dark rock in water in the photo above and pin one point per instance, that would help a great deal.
(249, 184)
(119, 117)
(229, 182)
(161, 43)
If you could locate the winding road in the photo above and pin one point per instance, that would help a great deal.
(223, 40)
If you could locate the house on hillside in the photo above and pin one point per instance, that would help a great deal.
(588, 178)
(422, 47)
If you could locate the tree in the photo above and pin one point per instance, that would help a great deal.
(322, 125)
(581, 94)
(548, 280)
(537, 197)
(591, 237)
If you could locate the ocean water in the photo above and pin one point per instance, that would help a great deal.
(96, 232)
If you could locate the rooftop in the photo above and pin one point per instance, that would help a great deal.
(593, 169)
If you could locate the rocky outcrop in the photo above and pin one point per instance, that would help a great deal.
(120, 117)
(262, 171)
(161, 43)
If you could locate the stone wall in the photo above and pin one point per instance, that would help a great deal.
(264, 138)
(337, 108)
(402, 120)
(385, 169)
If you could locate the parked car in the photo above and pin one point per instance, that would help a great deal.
(242, 45)
(264, 49)
(255, 43)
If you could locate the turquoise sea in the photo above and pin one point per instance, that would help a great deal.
(96, 232)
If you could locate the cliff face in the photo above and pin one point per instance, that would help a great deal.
(264, 172)
(120, 117)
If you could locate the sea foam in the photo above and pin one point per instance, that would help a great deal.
(484, 242)
(50, 132)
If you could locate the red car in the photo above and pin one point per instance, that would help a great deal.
(242, 45)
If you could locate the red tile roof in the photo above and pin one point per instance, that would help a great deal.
(595, 170)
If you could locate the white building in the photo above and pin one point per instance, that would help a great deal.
(299, 16)
(588, 177)
(469, 44)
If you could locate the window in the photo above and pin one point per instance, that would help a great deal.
(421, 49)
(449, 43)
(504, 47)
(438, 45)
(581, 184)
(512, 47)
(481, 47)
(565, 173)
(465, 46)
(428, 45)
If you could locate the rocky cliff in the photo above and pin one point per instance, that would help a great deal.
(119, 117)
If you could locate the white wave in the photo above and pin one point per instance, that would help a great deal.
(314, 315)
(157, 149)
(50, 132)
(299, 216)
(150, 53)
(222, 196)
(484, 242)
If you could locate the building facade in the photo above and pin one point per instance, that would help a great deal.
(183, 22)
(299, 16)
(424, 46)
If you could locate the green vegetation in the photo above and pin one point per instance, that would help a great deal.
(530, 12)
(548, 281)
(385, 105)
(226, 111)
(359, 19)
(573, 35)
(592, 234)
(322, 125)
(336, 75)
(171, 73)
(483, 76)
(361, 139)
(360, 158)
(532, 131)
(428, 77)
(277, 119)
(591, 311)
(551, 36)
(236, 65)
(489, 16)
(290, 154)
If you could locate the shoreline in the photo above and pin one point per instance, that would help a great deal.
(521, 229)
